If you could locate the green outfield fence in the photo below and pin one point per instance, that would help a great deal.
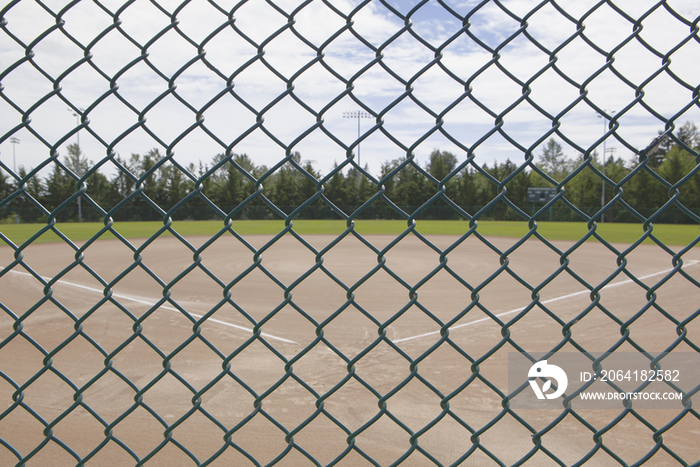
(23, 111)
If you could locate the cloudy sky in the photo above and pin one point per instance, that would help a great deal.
(207, 52)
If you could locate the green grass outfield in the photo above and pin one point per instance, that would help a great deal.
(670, 234)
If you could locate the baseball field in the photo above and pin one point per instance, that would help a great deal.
(252, 347)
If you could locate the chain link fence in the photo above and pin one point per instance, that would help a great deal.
(276, 369)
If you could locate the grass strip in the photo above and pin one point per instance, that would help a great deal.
(670, 234)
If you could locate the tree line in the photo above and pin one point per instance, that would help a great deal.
(406, 187)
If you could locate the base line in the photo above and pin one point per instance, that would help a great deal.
(518, 310)
(166, 307)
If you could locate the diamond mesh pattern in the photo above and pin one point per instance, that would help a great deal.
(264, 434)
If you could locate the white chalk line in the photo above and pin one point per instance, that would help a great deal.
(166, 307)
(563, 297)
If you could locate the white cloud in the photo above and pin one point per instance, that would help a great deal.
(229, 54)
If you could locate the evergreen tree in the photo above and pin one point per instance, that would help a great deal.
(643, 192)
(153, 188)
(411, 187)
(6, 190)
(285, 189)
(122, 183)
(99, 190)
(171, 186)
(198, 208)
(352, 188)
(79, 165)
(390, 183)
(467, 196)
(486, 188)
(307, 187)
(23, 205)
(76, 162)
(441, 163)
(585, 189)
(677, 164)
(366, 189)
(688, 135)
(335, 188)
(59, 187)
(553, 162)
(232, 195)
(517, 186)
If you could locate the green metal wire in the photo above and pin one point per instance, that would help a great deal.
(228, 22)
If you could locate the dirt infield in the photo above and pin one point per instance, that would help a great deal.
(140, 342)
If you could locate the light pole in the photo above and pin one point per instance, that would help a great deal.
(15, 142)
(358, 114)
(602, 197)
(77, 137)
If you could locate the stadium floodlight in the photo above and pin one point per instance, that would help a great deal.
(15, 141)
(77, 138)
(358, 114)
(605, 128)
(77, 121)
